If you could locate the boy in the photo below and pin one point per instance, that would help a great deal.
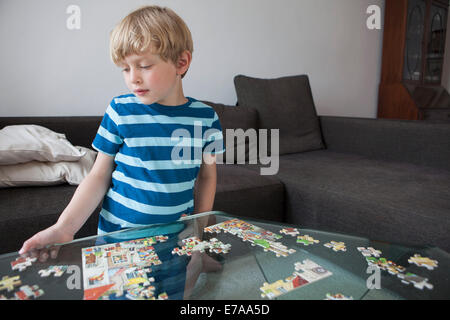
(135, 173)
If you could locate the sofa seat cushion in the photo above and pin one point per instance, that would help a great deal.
(246, 193)
(388, 201)
(28, 210)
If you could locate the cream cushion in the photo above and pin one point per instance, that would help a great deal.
(36, 173)
(24, 143)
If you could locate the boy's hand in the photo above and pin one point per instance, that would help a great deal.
(37, 243)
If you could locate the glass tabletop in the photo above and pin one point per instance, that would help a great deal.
(215, 255)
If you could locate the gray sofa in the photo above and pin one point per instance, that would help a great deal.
(387, 180)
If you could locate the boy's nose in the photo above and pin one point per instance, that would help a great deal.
(135, 76)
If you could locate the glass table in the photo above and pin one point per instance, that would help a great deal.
(234, 258)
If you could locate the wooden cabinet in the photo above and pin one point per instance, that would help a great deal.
(413, 60)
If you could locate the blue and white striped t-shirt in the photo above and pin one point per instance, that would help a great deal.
(158, 152)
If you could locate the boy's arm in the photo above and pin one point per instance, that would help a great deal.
(84, 201)
(206, 185)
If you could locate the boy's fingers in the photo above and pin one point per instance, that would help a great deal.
(43, 255)
(32, 243)
(27, 245)
(54, 252)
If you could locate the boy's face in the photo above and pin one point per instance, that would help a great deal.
(152, 79)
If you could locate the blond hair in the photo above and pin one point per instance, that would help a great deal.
(156, 28)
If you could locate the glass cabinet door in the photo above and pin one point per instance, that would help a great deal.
(435, 44)
(412, 66)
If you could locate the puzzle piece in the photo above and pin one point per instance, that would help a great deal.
(26, 292)
(195, 244)
(369, 252)
(337, 296)
(418, 282)
(290, 231)
(305, 272)
(9, 283)
(386, 265)
(57, 271)
(21, 263)
(306, 240)
(254, 234)
(423, 262)
(336, 246)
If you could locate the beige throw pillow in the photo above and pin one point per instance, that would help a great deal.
(24, 143)
(36, 173)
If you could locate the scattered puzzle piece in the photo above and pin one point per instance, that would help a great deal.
(290, 231)
(306, 240)
(57, 271)
(337, 296)
(336, 246)
(418, 282)
(386, 265)
(254, 234)
(9, 283)
(423, 262)
(195, 244)
(369, 252)
(21, 263)
(305, 272)
(26, 292)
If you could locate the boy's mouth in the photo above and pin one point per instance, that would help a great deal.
(140, 92)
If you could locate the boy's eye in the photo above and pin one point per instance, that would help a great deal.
(125, 70)
(146, 67)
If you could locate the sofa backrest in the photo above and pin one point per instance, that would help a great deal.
(417, 142)
(80, 131)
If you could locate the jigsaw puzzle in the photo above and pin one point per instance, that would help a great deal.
(21, 263)
(195, 244)
(9, 283)
(336, 246)
(253, 234)
(305, 273)
(337, 296)
(306, 240)
(418, 282)
(57, 271)
(114, 269)
(26, 292)
(290, 231)
(386, 265)
(369, 252)
(423, 262)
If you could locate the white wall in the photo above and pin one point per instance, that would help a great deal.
(48, 70)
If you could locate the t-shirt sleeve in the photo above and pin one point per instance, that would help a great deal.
(108, 139)
(214, 138)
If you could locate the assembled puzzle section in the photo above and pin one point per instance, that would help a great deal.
(255, 235)
(373, 258)
(120, 269)
(306, 272)
(195, 244)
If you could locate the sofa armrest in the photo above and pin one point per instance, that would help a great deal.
(417, 142)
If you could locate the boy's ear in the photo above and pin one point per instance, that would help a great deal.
(184, 61)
